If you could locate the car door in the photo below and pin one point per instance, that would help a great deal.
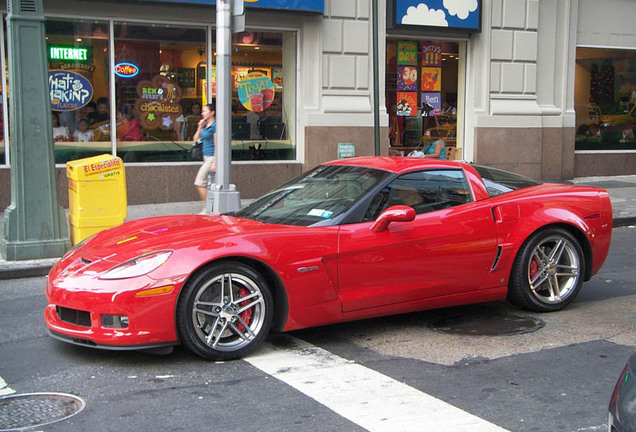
(447, 249)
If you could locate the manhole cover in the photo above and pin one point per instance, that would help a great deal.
(487, 324)
(35, 409)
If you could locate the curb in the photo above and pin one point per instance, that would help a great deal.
(37, 268)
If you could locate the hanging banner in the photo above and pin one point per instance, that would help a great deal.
(431, 53)
(431, 79)
(407, 53)
(407, 78)
(69, 91)
(431, 104)
(406, 104)
(256, 91)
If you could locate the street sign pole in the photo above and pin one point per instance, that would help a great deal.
(226, 196)
(34, 224)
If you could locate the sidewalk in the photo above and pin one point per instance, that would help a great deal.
(622, 190)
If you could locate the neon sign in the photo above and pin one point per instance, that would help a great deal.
(69, 53)
(126, 70)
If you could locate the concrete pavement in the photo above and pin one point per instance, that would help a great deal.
(622, 190)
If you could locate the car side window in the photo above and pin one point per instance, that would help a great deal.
(425, 191)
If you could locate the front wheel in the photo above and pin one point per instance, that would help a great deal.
(225, 312)
(548, 271)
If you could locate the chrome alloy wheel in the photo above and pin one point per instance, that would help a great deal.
(554, 269)
(228, 312)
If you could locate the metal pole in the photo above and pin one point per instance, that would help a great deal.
(226, 197)
(376, 80)
(34, 223)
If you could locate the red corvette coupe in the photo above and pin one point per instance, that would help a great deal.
(351, 239)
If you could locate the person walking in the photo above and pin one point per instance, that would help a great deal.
(206, 131)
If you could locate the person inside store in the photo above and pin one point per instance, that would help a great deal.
(83, 133)
(60, 133)
(206, 131)
(192, 120)
(101, 113)
(128, 127)
(99, 121)
(433, 147)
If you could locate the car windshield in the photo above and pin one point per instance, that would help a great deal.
(499, 181)
(317, 197)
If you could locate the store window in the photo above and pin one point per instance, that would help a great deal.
(263, 97)
(422, 94)
(77, 54)
(159, 90)
(160, 84)
(605, 99)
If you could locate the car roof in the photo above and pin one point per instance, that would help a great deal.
(398, 164)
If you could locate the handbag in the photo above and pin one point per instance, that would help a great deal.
(196, 151)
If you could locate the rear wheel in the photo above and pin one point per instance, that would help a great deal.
(225, 312)
(548, 271)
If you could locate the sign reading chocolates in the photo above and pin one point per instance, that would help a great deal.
(256, 91)
(157, 104)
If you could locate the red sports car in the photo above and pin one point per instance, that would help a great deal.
(351, 239)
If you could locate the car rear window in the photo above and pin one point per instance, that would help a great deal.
(499, 181)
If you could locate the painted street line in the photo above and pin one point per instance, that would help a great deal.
(4, 388)
(359, 394)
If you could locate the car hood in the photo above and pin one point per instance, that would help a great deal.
(136, 238)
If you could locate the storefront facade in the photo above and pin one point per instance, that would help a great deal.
(519, 87)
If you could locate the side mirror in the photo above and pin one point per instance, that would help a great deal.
(398, 213)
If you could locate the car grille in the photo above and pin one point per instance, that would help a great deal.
(74, 316)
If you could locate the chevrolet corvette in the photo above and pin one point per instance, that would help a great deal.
(350, 239)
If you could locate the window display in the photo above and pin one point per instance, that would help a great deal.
(160, 84)
(78, 83)
(421, 83)
(605, 99)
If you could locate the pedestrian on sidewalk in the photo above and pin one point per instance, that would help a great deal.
(206, 131)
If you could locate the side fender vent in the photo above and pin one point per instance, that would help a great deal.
(497, 257)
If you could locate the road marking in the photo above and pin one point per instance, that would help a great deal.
(361, 395)
(4, 388)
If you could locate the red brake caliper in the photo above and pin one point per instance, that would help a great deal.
(246, 316)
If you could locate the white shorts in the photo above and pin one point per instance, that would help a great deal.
(209, 164)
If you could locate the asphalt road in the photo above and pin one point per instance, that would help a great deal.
(557, 378)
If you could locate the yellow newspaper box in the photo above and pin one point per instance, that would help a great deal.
(96, 195)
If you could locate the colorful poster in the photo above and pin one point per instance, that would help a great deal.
(69, 91)
(431, 53)
(256, 91)
(277, 78)
(431, 79)
(407, 104)
(431, 104)
(157, 104)
(407, 78)
(407, 53)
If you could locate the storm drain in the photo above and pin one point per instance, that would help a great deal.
(36, 409)
(487, 324)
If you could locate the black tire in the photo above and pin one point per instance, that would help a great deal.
(548, 271)
(218, 323)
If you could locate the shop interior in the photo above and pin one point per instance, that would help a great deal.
(421, 94)
(161, 79)
(605, 99)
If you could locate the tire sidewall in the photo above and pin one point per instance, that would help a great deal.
(519, 289)
(185, 326)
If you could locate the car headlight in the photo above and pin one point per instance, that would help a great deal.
(138, 266)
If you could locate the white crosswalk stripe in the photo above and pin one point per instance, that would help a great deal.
(366, 397)
(4, 388)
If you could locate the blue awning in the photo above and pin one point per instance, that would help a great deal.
(311, 6)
